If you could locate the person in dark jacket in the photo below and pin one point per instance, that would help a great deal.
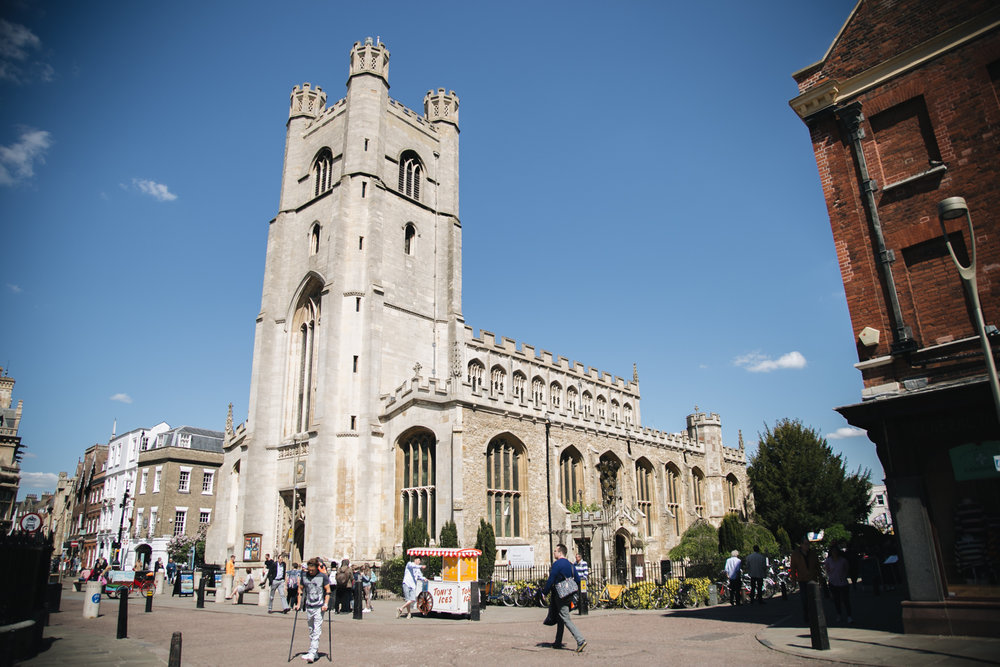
(559, 609)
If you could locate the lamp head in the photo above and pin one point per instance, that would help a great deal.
(952, 207)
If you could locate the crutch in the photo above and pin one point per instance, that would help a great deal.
(292, 643)
(329, 628)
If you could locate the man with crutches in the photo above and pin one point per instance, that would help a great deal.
(315, 597)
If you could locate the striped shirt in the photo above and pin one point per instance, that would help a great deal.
(582, 569)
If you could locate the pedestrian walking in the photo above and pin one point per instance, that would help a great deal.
(411, 578)
(837, 568)
(559, 607)
(757, 569)
(804, 568)
(345, 585)
(276, 575)
(366, 584)
(292, 584)
(315, 599)
(734, 572)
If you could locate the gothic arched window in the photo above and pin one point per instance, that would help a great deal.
(410, 170)
(476, 373)
(322, 172)
(644, 487)
(416, 479)
(572, 400)
(628, 414)
(498, 380)
(588, 404)
(537, 390)
(555, 395)
(733, 493)
(314, 239)
(303, 358)
(518, 385)
(505, 480)
(674, 496)
(602, 408)
(570, 477)
(698, 488)
(615, 411)
(409, 238)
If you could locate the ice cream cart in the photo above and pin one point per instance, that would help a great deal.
(453, 594)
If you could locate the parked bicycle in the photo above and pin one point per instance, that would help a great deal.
(499, 593)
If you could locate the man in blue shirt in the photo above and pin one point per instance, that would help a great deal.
(562, 569)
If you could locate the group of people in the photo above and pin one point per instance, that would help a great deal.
(284, 582)
(804, 566)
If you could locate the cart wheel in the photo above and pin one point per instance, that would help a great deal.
(112, 593)
(425, 602)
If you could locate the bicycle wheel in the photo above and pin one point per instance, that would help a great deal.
(507, 598)
(685, 598)
(630, 598)
(593, 599)
(525, 597)
(147, 588)
(723, 589)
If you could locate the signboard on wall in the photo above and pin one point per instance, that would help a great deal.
(251, 547)
(521, 555)
(975, 460)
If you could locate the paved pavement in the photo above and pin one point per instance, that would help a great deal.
(247, 635)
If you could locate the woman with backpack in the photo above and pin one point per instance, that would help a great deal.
(292, 584)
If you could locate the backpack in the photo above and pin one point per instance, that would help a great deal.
(344, 577)
(292, 579)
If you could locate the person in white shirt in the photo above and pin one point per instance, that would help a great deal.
(733, 565)
(411, 577)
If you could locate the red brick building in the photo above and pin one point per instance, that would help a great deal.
(903, 112)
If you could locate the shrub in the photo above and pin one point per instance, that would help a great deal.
(390, 575)
(487, 543)
(414, 535)
(449, 535)
(755, 533)
(699, 549)
(731, 534)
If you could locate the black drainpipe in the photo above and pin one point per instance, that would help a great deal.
(850, 117)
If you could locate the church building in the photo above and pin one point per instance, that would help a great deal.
(373, 404)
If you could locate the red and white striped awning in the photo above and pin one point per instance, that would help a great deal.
(460, 553)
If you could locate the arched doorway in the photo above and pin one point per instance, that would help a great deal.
(621, 559)
(298, 542)
(144, 554)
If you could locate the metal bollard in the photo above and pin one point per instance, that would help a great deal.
(474, 601)
(175, 651)
(359, 601)
(149, 600)
(122, 612)
(200, 604)
(713, 595)
(817, 619)
(584, 601)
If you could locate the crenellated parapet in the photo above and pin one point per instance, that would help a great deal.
(370, 58)
(441, 106)
(306, 101)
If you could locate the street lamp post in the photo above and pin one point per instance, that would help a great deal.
(116, 561)
(949, 209)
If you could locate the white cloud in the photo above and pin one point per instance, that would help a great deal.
(157, 191)
(39, 480)
(755, 362)
(846, 432)
(17, 43)
(121, 398)
(16, 289)
(30, 455)
(17, 160)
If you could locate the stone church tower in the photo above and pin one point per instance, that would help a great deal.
(371, 402)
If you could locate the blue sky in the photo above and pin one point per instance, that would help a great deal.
(635, 189)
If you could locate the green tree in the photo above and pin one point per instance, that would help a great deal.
(754, 533)
(390, 576)
(784, 541)
(449, 535)
(487, 543)
(700, 546)
(731, 534)
(414, 535)
(799, 484)
(179, 548)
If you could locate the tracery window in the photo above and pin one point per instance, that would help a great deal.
(588, 404)
(304, 358)
(410, 170)
(537, 391)
(572, 400)
(476, 373)
(602, 408)
(698, 487)
(504, 482)
(628, 414)
(416, 464)
(570, 477)
(518, 384)
(322, 171)
(644, 486)
(498, 380)
(615, 411)
(733, 493)
(555, 395)
(674, 496)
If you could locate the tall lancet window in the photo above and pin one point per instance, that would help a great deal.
(304, 355)
(322, 172)
(410, 171)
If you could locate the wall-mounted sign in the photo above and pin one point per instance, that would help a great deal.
(521, 555)
(251, 547)
(31, 522)
(976, 460)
